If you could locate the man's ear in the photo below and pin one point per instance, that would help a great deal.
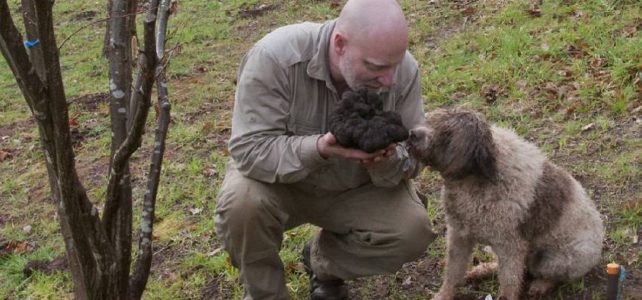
(339, 43)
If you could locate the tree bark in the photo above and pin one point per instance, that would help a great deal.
(118, 204)
(142, 268)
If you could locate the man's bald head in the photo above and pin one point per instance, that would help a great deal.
(369, 40)
(373, 21)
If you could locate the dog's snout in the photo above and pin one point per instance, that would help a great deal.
(415, 134)
(412, 135)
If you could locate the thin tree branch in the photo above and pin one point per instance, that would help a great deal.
(144, 260)
(161, 29)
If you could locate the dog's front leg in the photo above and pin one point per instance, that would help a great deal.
(511, 268)
(460, 248)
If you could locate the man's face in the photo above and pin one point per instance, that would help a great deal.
(372, 66)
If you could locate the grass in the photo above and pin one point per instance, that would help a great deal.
(547, 71)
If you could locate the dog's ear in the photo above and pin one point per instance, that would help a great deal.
(471, 150)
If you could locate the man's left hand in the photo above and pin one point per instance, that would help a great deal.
(390, 150)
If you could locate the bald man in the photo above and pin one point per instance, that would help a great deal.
(287, 169)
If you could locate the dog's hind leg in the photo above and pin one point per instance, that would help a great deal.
(572, 261)
(460, 249)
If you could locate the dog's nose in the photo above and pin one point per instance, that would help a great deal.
(413, 134)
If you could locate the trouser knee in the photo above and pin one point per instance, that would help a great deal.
(415, 237)
(248, 221)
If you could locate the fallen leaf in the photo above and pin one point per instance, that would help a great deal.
(468, 11)
(195, 211)
(73, 120)
(16, 247)
(491, 93)
(535, 12)
(209, 172)
(570, 110)
(27, 229)
(588, 127)
(629, 31)
(578, 50)
(4, 155)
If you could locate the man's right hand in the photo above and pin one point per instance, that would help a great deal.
(328, 147)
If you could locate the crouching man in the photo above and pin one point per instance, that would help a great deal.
(287, 170)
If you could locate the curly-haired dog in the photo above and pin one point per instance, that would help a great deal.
(500, 190)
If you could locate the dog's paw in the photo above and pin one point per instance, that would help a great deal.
(540, 287)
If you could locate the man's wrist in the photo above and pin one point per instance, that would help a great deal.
(321, 147)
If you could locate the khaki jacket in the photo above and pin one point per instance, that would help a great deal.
(282, 105)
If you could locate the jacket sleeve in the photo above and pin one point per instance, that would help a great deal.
(401, 165)
(259, 144)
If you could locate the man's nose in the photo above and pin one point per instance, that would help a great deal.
(386, 78)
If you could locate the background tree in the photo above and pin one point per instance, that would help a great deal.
(98, 248)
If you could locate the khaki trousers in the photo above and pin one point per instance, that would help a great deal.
(365, 231)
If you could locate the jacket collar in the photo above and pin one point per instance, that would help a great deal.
(319, 65)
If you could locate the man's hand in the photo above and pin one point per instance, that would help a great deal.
(328, 147)
(388, 151)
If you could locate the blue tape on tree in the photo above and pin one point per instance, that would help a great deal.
(31, 44)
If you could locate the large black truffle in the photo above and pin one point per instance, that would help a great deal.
(360, 122)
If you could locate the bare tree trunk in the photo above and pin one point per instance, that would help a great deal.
(117, 218)
(99, 251)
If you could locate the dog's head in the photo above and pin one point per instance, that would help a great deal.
(457, 143)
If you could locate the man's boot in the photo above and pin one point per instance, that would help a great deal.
(335, 289)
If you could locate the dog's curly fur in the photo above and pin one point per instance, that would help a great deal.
(500, 190)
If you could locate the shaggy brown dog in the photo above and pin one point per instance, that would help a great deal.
(500, 190)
